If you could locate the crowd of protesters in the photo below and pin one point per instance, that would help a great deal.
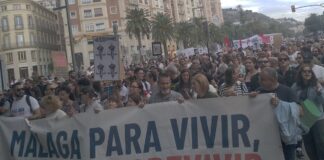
(294, 73)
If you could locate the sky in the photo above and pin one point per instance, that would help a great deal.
(277, 8)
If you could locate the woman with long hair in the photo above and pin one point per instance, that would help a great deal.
(184, 85)
(201, 87)
(251, 70)
(232, 86)
(308, 87)
(136, 95)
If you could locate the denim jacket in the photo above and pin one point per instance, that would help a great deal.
(287, 115)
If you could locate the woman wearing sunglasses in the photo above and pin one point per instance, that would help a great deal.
(308, 87)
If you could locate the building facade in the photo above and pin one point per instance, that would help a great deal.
(28, 36)
(91, 18)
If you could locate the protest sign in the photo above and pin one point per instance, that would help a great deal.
(236, 128)
(107, 58)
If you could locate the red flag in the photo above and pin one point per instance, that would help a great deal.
(227, 42)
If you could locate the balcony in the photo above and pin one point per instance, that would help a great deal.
(28, 45)
(19, 26)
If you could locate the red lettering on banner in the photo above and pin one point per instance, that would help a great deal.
(154, 158)
(252, 156)
(174, 158)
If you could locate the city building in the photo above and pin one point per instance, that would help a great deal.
(184, 10)
(29, 33)
(91, 18)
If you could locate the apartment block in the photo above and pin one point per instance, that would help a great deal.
(91, 18)
(29, 33)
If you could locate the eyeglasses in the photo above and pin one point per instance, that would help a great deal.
(283, 59)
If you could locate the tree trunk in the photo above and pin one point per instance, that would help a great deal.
(140, 48)
(165, 48)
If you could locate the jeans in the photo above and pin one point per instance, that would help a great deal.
(289, 151)
(314, 141)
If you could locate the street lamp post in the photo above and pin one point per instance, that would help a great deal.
(70, 32)
(293, 7)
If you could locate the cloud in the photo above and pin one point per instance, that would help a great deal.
(276, 8)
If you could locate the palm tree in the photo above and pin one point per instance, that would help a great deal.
(183, 34)
(138, 25)
(162, 30)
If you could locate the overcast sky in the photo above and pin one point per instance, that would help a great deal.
(277, 8)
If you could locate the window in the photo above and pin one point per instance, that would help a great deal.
(33, 56)
(20, 39)
(32, 39)
(18, 22)
(90, 41)
(96, 0)
(74, 28)
(114, 23)
(86, 1)
(113, 10)
(39, 56)
(23, 72)
(4, 23)
(3, 8)
(87, 13)
(89, 27)
(28, 7)
(98, 12)
(30, 21)
(91, 57)
(11, 74)
(6, 39)
(71, 2)
(72, 14)
(100, 26)
(16, 7)
(9, 58)
(146, 2)
(22, 56)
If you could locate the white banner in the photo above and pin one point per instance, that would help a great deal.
(235, 128)
(254, 41)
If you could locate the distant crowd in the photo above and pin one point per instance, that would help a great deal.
(294, 72)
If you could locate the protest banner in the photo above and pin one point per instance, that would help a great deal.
(235, 128)
(107, 60)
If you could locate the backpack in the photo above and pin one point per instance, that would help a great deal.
(27, 101)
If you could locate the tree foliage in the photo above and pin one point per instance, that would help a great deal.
(138, 25)
(162, 29)
(314, 23)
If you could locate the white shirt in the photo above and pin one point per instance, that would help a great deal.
(20, 108)
(57, 115)
(124, 94)
(94, 106)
